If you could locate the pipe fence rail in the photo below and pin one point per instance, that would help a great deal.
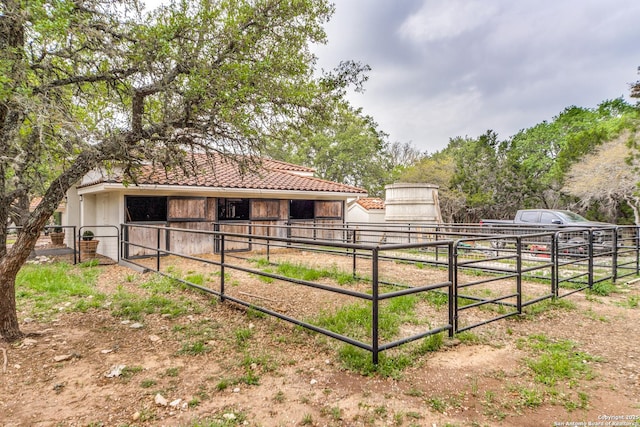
(478, 276)
(371, 287)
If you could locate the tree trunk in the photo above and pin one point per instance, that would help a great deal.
(9, 328)
(10, 264)
(13, 259)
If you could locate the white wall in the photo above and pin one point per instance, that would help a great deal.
(71, 215)
(356, 213)
(89, 210)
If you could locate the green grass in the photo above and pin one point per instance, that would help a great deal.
(632, 301)
(528, 397)
(129, 371)
(556, 364)
(172, 372)
(148, 383)
(557, 361)
(55, 287)
(228, 418)
(547, 305)
(468, 337)
(437, 404)
(355, 320)
(201, 330)
(165, 297)
(194, 348)
(603, 289)
(196, 279)
(263, 361)
(302, 272)
(360, 361)
(429, 344)
(243, 335)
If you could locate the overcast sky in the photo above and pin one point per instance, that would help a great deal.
(446, 68)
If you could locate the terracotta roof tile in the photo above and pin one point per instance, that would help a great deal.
(371, 203)
(36, 201)
(224, 173)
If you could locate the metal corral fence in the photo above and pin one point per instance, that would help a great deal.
(459, 276)
(246, 280)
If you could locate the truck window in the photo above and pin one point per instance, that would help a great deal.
(549, 218)
(529, 216)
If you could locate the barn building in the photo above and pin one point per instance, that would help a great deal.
(211, 194)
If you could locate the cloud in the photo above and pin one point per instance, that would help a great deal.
(450, 68)
(437, 20)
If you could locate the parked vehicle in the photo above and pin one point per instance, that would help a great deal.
(574, 227)
(546, 217)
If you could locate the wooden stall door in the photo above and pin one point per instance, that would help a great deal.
(144, 241)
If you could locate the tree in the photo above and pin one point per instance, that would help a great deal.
(349, 149)
(635, 88)
(476, 174)
(438, 169)
(101, 83)
(403, 155)
(538, 158)
(606, 176)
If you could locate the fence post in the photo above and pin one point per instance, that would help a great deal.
(123, 233)
(453, 255)
(158, 250)
(76, 254)
(590, 254)
(615, 255)
(355, 257)
(268, 242)
(374, 306)
(555, 272)
(519, 275)
(452, 295)
(437, 231)
(221, 267)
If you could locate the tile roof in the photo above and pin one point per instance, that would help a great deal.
(371, 203)
(36, 201)
(223, 172)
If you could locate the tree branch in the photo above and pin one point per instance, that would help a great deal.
(114, 75)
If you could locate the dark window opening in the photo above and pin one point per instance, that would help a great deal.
(230, 209)
(141, 208)
(301, 209)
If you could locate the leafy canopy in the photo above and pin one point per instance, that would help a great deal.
(103, 83)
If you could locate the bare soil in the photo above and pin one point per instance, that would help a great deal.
(260, 371)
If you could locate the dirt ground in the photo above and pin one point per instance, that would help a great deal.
(96, 369)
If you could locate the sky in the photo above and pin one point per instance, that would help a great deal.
(447, 68)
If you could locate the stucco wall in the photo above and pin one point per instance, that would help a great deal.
(357, 213)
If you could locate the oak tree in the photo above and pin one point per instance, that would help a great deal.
(104, 83)
(349, 148)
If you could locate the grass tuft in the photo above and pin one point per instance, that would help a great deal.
(50, 288)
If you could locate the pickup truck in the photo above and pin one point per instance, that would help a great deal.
(562, 220)
(542, 217)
